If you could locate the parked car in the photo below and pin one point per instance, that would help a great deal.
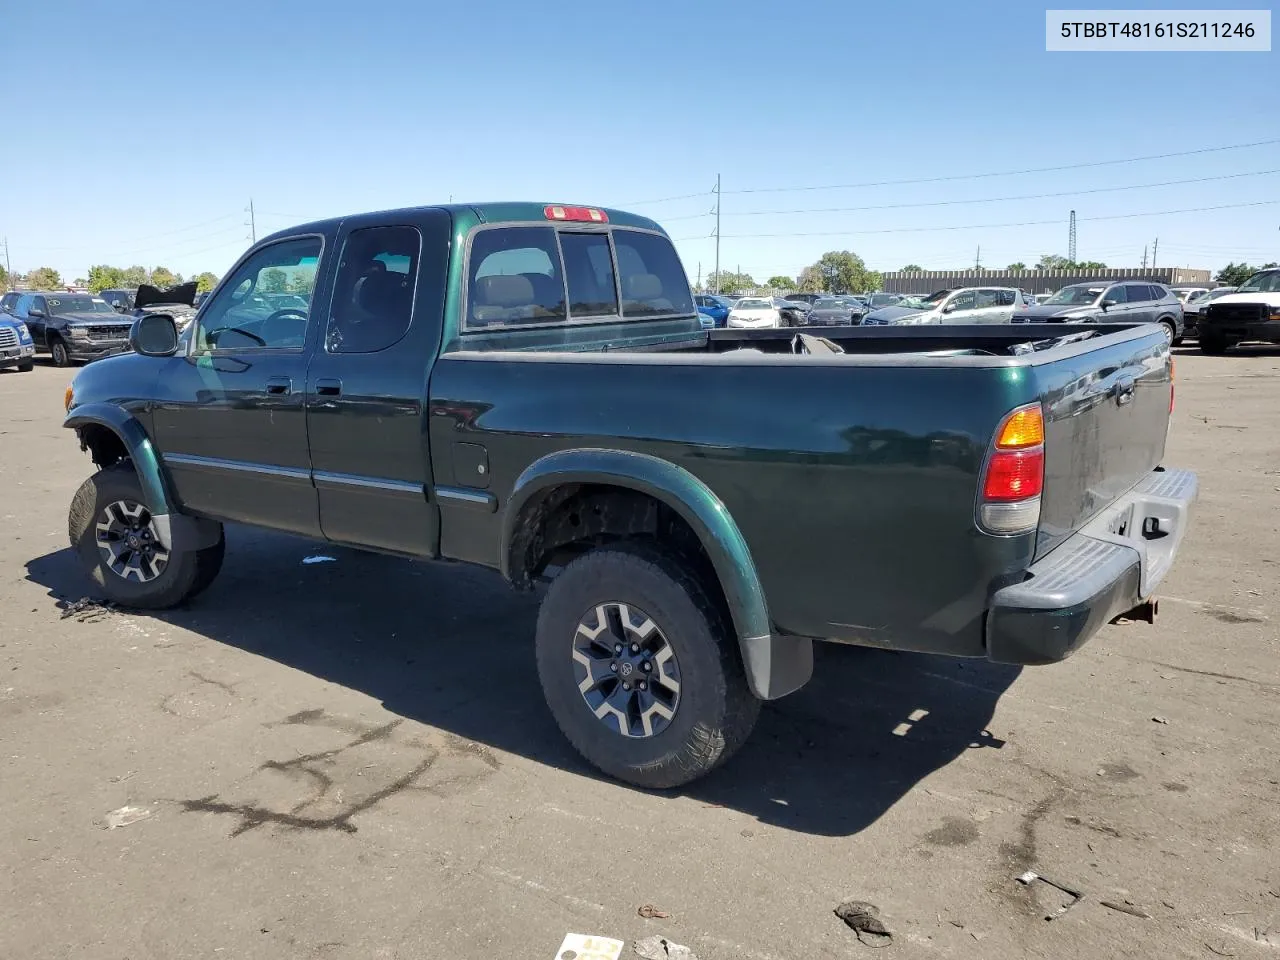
(714, 306)
(1191, 311)
(966, 305)
(1189, 294)
(792, 313)
(878, 300)
(180, 302)
(460, 406)
(1106, 302)
(754, 313)
(72, 327)
(1251, 313)
(830, 312)
(120, 298)
(16, 346)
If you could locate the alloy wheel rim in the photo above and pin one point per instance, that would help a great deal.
(626, 670)
(128, 542)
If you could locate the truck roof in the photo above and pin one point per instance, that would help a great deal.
(503, 211)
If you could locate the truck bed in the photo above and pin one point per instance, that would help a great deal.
(855, 491)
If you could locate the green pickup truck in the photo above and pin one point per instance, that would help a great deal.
(529, 388)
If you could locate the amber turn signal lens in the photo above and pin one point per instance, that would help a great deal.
(1023, 428)
(68, 397)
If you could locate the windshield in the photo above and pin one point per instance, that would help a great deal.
(884, 299)
(60, 306)
(1080, 293)
(1220, 292)
(828, 304)
(750, 303)
(1266, 282)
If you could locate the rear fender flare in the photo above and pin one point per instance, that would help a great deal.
(775, 665)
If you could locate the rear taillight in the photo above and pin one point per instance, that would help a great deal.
(1171, 386)
(583, 214)
(1014, 475)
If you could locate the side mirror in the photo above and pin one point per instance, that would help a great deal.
(154, 335)
(35, 312)
(949, 308)
(1107, 303)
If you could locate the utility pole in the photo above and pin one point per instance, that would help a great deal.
(977, 258)
(1071, 238)
(699, 274)
(1144, 257)
(717, 233)
(1154, 248)
(253, 223)
(8, 269)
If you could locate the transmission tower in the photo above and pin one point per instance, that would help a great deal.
(1071, 239)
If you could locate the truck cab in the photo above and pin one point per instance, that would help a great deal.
(72, 327)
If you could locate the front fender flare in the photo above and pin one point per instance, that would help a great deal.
(775, 665)
(174, 529)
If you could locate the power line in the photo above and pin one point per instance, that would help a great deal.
(1025, 196)
(152, 236)
(985, 226)
(974, 176)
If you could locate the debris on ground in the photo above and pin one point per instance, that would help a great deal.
(1159, 720)
(660, 948)
(650, 912)
(864, 920)
(1126, 908)
(1030, 877)
(126, 816)
(86, 609)
(578, 946)
(319, 558)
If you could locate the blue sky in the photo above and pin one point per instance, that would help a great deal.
(321, 109)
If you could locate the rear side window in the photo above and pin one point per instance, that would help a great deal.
(515, 277)
(373, 294)
(653, 281)
(1116, 295)
(1006, 298)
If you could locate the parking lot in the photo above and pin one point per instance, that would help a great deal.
(351, 757)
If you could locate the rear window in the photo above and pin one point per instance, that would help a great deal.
(518, 277)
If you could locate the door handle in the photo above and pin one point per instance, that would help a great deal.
(279, 386)
(1124, 391)
(328, 388)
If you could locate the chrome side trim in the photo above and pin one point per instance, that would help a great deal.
(235, 466)
(330, 479)
(479, 499)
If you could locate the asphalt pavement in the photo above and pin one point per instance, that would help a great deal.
(350, 758)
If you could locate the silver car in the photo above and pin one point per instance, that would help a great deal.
(966, 305)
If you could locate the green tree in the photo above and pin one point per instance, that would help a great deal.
(1234, 274)
(4, 278)
(44, 278)
(1089, 265)
(164, 278)
(810, 280)
(727, 281)
(133, 276)
(1016, 267)
(206, 281)
(843, 272)
(873, 281)
(779, 282)
(912, 268)
(1053, 261)
(303, 280)
(104, 277)
(273, 280)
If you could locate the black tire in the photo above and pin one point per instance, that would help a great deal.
(716, 710)
(1171, 329)
(58, 351)
(1213, 344)
(26, 366)
(185, 573)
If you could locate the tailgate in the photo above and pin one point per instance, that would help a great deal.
(1107, 410)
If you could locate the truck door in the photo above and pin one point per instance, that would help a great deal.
(33, 312)
(367, 383)
(229, 421)
(1118, 312)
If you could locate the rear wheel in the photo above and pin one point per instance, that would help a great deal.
(114, 534)
(1213, 343)
(641, 669)
(58, 350)
(1170, 330)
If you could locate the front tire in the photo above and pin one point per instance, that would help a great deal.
(1213, 344)
(58, 351)
(114, 535)
(633, 614)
